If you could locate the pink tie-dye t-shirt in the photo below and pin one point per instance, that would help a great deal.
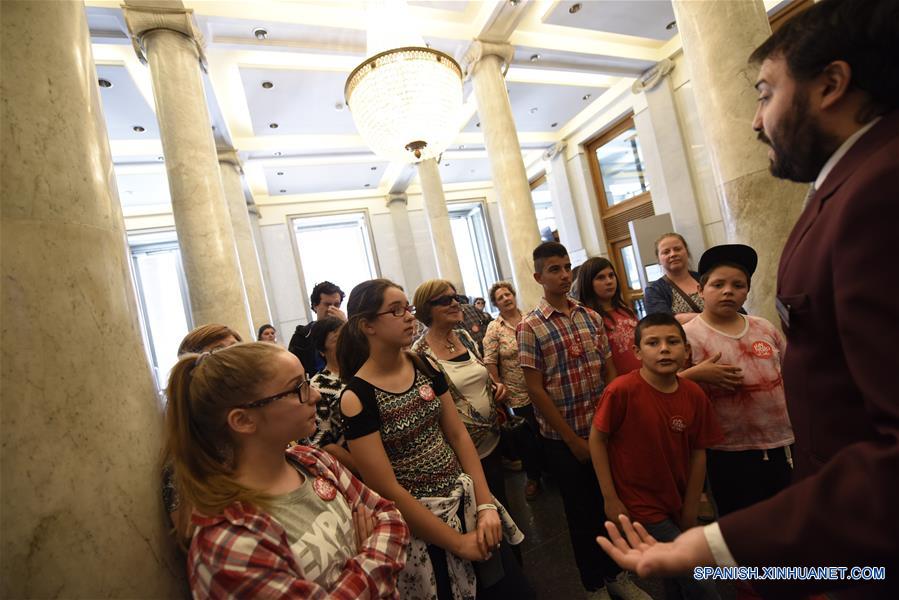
(753, 417)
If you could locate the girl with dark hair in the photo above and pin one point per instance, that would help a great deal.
(411, 446)
(329, 428)
(267, 333)
(268, 521)
(598, 288)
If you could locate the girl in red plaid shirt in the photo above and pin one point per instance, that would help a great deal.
(269, 522)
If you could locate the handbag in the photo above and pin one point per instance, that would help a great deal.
(685, 297)
(514, 432)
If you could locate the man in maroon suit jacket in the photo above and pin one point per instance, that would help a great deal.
(829, 111)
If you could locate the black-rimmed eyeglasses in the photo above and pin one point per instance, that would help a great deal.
(398, 311)
(302, 390)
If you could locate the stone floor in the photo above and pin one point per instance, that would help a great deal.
(546, 550)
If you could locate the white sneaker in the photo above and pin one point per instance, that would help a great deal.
(624, 588)
(601, 594)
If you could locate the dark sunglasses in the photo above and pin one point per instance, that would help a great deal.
(443, 300)
(302, 390)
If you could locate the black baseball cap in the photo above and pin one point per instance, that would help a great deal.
(737, 254)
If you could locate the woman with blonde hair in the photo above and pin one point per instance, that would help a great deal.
(205, 338)
(474, 390)
(268, 521)
(677, 291)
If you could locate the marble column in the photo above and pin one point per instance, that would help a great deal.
(563, 206)
(439, 224)
(229, 163)
(486, 63)
(173, 48)
(758, 209)
(81, 512)
(402, 233)
(667, 167)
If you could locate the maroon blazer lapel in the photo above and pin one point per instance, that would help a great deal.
(873, 139)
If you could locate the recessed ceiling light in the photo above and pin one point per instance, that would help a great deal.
(671, 25)
(553, 124)
(535, 57)
(138, 129)
(574, 7)
(283, 191)
(277, 153)
(104, 83)
(586, 96)
(374, 168)
(534, 110)
(273, 125)
(260, 33)
(280, 172)
(268, 85)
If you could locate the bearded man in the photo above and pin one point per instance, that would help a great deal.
(828, 94)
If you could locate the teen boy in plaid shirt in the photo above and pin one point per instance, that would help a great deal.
(566, 361)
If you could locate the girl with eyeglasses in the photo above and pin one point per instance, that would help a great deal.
(411, 446)
(270, 522)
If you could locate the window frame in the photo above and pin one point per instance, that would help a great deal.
(136, 247)
(298, 261)
(488, 232)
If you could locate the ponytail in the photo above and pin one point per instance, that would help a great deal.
(352, 348)
(201, 392)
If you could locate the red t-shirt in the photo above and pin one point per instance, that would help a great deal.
(620, 328)
(651, 436)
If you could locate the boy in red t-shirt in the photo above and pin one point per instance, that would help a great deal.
(648, 440)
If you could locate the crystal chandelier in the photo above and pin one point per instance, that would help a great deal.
(406, 102)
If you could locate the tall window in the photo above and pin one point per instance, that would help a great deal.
(543, 206)
(621, 165)
(335, 247)
(619, 178)
(474, 247)
(162, 298)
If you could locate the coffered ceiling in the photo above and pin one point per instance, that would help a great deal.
(569, 56)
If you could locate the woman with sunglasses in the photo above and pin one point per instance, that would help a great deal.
(270, 522)
(410, 446)
(474, 390)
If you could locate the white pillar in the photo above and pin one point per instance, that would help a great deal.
(172, 46)
(486, 63)
(667, 168)
(82, 515)
(402, 232)
(231, 169)
(439, 224)
(758, 209)
(563, 204)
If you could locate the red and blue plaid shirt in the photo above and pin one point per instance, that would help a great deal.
(244, 553)
(570, 352)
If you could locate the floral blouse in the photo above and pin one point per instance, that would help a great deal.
(501, 349)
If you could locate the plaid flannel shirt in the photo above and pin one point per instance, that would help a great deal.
(244, 553)
(571, 353)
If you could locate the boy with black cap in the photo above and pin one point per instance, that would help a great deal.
(754, 461)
